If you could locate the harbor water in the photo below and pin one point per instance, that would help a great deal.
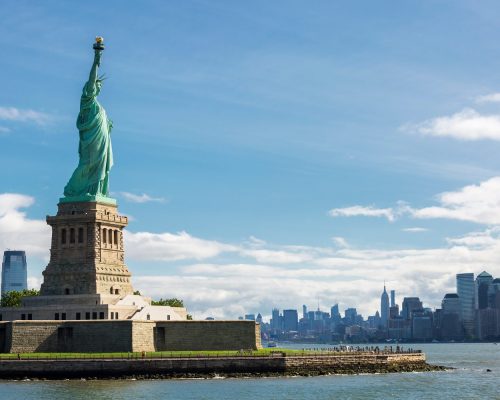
(475, 375)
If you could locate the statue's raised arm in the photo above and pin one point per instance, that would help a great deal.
(95, 66)
(90, 180)
(93, 86)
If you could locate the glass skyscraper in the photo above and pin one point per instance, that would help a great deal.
(14, 271)
(466, 291)
(483, 282)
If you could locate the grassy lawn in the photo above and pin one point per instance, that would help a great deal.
(163, 354)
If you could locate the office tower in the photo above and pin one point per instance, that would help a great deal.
(14, 271)
(350, 316)
(422, 325)
(276, 320)
(290, 320)
(494, 294)
(466, 293)
(250, 317)
(451, 321)
(384, 308)
(394, 312)
(335, 314)
(409, 305)
(483, 282)
(393, 298)
(304, 311)
(451, 304)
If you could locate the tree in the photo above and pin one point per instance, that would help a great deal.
(168, 302)
(137, 293)
(14, 297)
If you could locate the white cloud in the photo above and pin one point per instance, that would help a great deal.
(34, 282)
(231, 289)
(17, 231)
(476, 240)
(141, 198)
(4, 129)
(467, 124)
(415, 230)
(172, 246)
(489, 98)
(340, 241)
(474, 203)
(370, 211)
(276, 256)
(26, 115)
(255, 242)
(285, 276)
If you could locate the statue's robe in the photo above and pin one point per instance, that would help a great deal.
(96, 155)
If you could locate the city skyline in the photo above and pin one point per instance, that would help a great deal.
(276, 155)
(471, 313)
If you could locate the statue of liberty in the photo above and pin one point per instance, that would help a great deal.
(90, 180)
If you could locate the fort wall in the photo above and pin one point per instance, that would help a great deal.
(126, 336)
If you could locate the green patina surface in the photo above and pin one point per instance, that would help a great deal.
(90, 180)
(88, 198)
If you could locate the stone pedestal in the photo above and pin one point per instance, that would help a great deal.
(87, 254)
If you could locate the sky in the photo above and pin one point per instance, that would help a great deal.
(268, 154)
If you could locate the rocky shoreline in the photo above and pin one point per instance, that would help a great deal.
(211, 367)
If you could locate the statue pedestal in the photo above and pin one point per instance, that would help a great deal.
(88, 198)
(87, 254)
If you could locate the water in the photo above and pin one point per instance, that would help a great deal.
(468, 381)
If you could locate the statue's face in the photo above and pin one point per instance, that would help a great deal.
(98, 86)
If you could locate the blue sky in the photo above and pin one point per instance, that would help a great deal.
(269, 153)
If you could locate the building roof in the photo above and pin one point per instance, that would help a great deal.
(496, 280)
(451, 296)
(484, 274)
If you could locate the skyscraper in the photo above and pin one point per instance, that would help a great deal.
(334, 313)
(393, 298)
(14, 271)
(304, 311)
(290, 320)
(483, 282)
(384, 308)
(276, 320)
(466, 293)
(451, 321)
(350, 316)
(451, 304)
(410, 304)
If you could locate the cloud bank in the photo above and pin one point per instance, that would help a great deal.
(473, 203)
(24, 115)
(226, 280)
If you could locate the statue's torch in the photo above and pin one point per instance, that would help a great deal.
(99, 43)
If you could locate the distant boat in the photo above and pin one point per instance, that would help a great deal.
(271, 344)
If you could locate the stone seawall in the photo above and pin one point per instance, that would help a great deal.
(209, 366)
(109, 336)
